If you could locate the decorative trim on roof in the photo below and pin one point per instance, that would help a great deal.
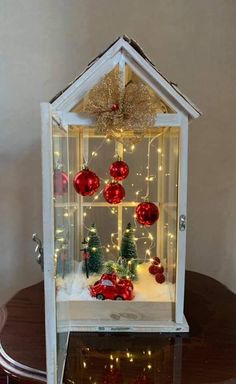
(140, 51)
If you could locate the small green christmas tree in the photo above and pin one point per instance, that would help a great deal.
(128, 251)
(114, 266)
(95, 261)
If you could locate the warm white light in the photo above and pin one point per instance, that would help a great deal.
(84, 214)
(59, 230)
(160, 168)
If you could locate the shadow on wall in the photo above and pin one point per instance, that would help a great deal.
(21, 212)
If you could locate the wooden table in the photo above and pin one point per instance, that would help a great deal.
(206, 355)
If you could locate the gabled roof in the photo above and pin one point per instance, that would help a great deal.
(132, 47)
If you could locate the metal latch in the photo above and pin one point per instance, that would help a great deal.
(38, 250)
(182, 222)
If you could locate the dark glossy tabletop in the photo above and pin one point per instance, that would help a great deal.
(206, 355)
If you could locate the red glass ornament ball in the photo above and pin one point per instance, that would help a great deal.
(119, 170)
(156, 260)
(60, 180)
(160, 278)
(153, 269)
(114, 193)
(147, 213)
(115, 107)
(86, 182)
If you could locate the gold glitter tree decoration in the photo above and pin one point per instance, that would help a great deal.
(123, 113)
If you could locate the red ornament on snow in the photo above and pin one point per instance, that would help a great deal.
(159, 268)
(153, 269)
(119, 170)
(156, 260)
(147, 213)
(114, 193)
(86, 182)
(60, 180)
(160, 278)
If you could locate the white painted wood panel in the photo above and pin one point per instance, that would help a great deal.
(48, 244)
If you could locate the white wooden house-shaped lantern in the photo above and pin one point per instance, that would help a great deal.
(115, 145)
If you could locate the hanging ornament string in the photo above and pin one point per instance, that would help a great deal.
(95, 152)
(122, 113)
(148, 177)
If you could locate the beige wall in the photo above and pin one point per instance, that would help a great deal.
(46, 43)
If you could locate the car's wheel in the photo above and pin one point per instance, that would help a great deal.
(100, 297)
(119, 298)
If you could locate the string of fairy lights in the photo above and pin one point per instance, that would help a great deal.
(147, 237)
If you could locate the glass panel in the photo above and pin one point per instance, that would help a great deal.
(124, 358)
(114, 271)
(63, 230)
(131, 252)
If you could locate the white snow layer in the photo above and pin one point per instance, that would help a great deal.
(74, 287)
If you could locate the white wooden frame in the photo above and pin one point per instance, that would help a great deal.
(119, 53)
(48, 241)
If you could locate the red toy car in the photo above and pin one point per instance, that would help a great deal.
(111, 287)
